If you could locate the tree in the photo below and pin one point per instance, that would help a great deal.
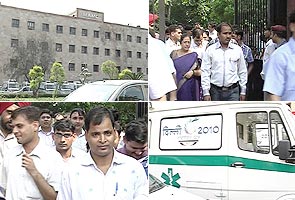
(36, 52)
(57, 75)
(36, 76)
(110, 69)
(187, 12)
(128, 74)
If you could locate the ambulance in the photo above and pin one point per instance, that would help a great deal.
(222, 150)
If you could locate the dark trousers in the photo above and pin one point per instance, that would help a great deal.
(217, 94)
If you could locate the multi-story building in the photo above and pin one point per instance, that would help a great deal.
(81, 39)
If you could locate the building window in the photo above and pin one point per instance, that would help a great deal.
(59, 29)
(138, 69)
(146, 55)
(146, 40)
(31, 44)
(107, 52)
(84, 32)
(72, 48)
(129, 38)
(119, 68)
(118, 53)
(84, 49)
(72, 31)
(13, 63)
(107, 35)
(138, 39)
(31, 25)
(138, 54)
(58, 47)
(45, 27)
(95, 51)
(44, 46)
(14, 42)
(96, 34)
(129, 54)
(15, 23)
(130, 68)
(71, 66)
(118, 37)
(95, 68)
(146, 70)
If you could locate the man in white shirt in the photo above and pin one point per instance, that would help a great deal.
(224, 70)
(77, 117)
(212, 31)
(63, 138)
(172, 43)
(160, 71)
(103, 173)
(7, 138)
(31, 170)
(45, 131)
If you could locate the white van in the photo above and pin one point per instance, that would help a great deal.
(222, 150)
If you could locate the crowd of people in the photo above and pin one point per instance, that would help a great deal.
(83, 156)
(214, 64)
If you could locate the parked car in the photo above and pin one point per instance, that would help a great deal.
(111, 90)
(10, 86)
(159, 190)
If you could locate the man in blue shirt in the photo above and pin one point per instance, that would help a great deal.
(279, 82)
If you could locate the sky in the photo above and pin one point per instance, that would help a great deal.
(132, 12)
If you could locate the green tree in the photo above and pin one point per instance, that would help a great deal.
(187, 12)
(57, 75)
(110, 69)
(128, 74)
(36, 76)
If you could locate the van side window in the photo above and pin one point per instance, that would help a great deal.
(278, 131)
(252, 132)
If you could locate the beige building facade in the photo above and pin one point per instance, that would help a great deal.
(77, 40)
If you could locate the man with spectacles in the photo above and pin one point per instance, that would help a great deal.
(64, 137)
(45, 130)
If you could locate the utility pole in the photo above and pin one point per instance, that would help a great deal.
(162, 19)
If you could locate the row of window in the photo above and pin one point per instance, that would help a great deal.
(72, 49)
(73, 31)
(72, 66)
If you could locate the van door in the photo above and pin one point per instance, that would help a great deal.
(255, 171)
(186, 151)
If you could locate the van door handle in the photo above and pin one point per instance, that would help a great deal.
(238, 164)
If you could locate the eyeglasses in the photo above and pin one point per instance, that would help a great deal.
(66, 135)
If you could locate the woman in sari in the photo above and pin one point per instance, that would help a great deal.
(188, 72)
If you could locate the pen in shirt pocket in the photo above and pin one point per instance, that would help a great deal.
(116, 189)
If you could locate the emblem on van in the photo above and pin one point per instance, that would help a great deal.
(170, 178)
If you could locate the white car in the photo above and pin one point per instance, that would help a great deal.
(111, 90)
(159, 190)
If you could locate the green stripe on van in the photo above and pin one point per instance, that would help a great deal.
(220, 161)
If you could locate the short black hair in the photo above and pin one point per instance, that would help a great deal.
(97, 115)
(63, 125)
(137, 131)
(80, 112)
(31, 113)
(218, 28)
(184, 36)
(46, 111)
